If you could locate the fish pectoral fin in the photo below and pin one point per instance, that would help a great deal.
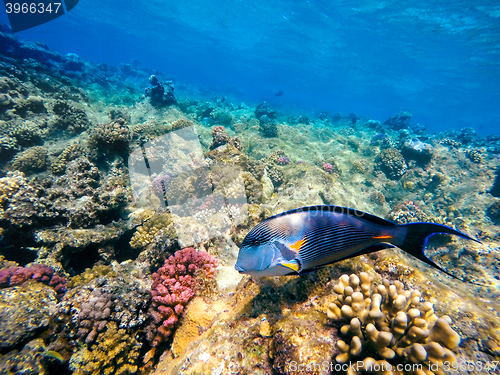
(293, 265)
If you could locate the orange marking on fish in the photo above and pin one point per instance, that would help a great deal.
(382, 237)
(297, 245)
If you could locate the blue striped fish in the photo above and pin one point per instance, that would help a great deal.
(305, 239)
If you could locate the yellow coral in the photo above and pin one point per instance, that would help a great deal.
(199, 316)
(90, 274)
(9, 185)
(180, 124)
(391, 321)
(114, 353)
(146, 233)
(70, 153)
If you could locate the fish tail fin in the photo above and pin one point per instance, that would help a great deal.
(418, 235)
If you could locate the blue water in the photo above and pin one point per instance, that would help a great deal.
(373, 58)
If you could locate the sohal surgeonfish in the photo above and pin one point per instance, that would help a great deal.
(307, 238)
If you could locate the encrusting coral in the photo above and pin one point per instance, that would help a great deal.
(392, 324)
(157, 224)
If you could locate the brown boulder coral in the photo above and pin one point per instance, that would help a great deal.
(392, 324)
(391, 162)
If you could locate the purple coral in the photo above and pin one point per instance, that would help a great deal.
(160, 183)
(173, 287)
(327, 167)
(13, 276)
(283, 160)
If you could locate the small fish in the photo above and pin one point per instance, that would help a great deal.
(279, 93)
(54, 354)
(305, 239)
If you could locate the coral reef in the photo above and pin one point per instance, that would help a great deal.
(70, 153)
(399, 121)
(66, 127)
(391, 162)
(69, 117)
(220, 138)
(13, 276)
(263, 109)
(34, 358)
(283, 160)
(32, 160)
(332, 168)
(494, 212)
(20, 203)
(450, 142)
(160, 184)
(408, 212)
(417, 150)
(114, 136)
(181, 124)
(25, 310)
(93, 200)
(173, 287)
(158, 225)
(390, 322)
(26, 133)
(115, 352)
(359, 167)
(222, 116)
(474, 156)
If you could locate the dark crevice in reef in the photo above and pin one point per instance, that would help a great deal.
(495, 189)
(79, 262)
(123, 250)
(20, 255)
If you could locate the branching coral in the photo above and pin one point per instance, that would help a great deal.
(72, 152)
(392, 324)
(474, 156)
(115, 352)
(173, 287)
(18, 275)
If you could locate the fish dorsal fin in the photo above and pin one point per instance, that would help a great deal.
(338, 209)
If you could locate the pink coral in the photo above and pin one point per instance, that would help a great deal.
(13, 276)
(283, 160)
(327, 167)
(173, 287)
